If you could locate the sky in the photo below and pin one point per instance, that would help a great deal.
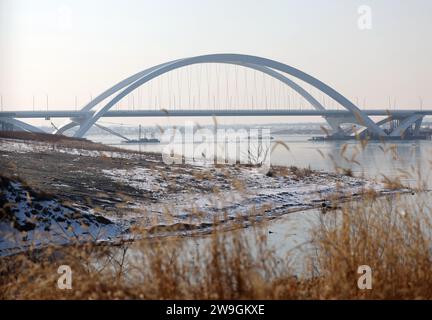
(72, 50)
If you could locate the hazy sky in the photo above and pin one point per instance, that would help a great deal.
(81, 47)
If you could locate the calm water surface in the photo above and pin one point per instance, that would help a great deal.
(375, 159)
(393, 159)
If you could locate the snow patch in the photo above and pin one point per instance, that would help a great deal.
(260, 194)
(28, 219)
(23, 146)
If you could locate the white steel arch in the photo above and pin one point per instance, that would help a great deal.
(272, 73)
(257, 63)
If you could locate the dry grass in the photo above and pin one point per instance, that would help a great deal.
(386, 235)
(300, 172)
(391, 235)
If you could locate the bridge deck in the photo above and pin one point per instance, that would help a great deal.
(208, 112)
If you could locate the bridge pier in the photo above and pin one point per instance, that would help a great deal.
(73, 122)
(417, 126)
(335, 123)
(399, 127)
(404, 128)
(6, 126)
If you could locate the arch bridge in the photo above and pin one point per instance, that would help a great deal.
(402, 122)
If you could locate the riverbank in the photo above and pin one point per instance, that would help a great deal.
(81, 198)
(92, 182)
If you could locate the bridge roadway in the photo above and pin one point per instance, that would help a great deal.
(396, 113)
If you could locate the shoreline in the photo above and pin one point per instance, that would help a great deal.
(132, 189)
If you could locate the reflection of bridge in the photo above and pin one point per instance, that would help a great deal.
(400, 122)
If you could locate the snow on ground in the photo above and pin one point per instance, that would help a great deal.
(190, 197)
(138, 178)
(28, 219)
(259, 194)
(26, 146)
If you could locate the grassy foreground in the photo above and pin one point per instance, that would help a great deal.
(391, 238)
(390, 235)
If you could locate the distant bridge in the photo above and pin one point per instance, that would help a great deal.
(401, 122)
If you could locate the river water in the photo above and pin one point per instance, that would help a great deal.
(410, 160)
(373, 160)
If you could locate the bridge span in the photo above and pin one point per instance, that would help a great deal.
(396, 113)
(398, 123)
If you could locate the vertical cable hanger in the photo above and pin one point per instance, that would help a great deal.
(236, 85)
(217, 85)
(188, 77)
(199, 77)
(255, 88)
(179, 88)
(210, 97)
(169, 91)
(264, 90)
(246, 88)
(226, 78)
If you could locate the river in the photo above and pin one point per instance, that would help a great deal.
(411, 160)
